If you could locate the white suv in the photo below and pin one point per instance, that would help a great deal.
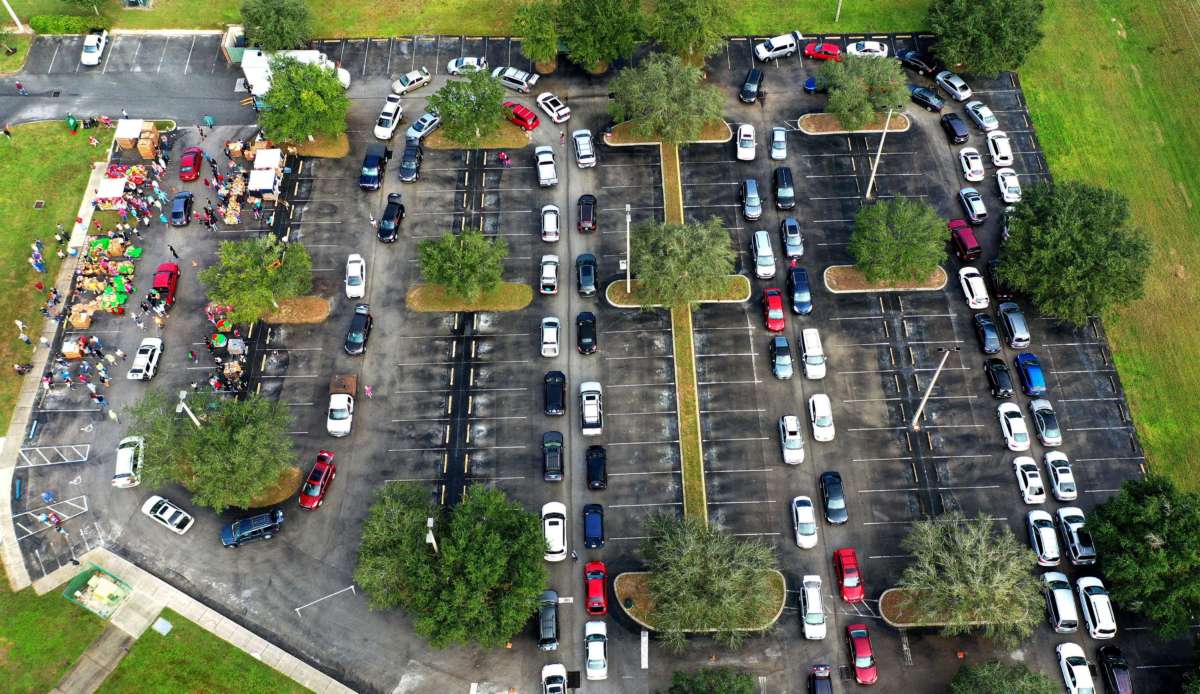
(585, 152)
(1097, 608)
(549, 282)
(547, 173)
(591, 407)
(812, 614)
(145, 362)
(554, 526)
(550, 332)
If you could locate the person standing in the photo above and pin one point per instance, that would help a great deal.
(173, 253)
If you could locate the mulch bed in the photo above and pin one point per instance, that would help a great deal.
(848, 278)
(818, 123)
(301, 310)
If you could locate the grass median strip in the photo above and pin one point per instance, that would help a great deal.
(691, 455)
(433, 298)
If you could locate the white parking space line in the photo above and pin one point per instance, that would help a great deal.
(51, 67)
(1101, 491)
(642, 443)
(830, 221)
(648, 356)
(936, 520)
(343, 590)
(758, 535)
(1084, 371)
(640, 385)
(665, 503)
(188, 64)
(723, 383)
(753, 409)
(917, 489)
(1097, 460)
(163, 57)
(637, 414)
(739, 503)
(728, 354)
(724, 472)
(655, 472)
(747, 438)
(888, 556)
(640, 330)
(1125, 427)
(880, 460)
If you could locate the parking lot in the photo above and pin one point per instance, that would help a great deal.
(457, 399)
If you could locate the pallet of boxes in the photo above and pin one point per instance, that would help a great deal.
(142, 135)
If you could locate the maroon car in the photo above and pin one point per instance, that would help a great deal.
(319, 478)
(166, 281)
(190, 164)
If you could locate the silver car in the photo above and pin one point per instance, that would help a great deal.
(585, 151)
(789, 235)
(551, 225)
(791, 440)
(427, 123)
(1045, 422)
(778, 144)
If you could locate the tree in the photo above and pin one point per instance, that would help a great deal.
(1191, 682)
(861, 86)
(1072, 251)
(597, 32)
(967, 571)
(1000, 678)
(481, 585)
(897, 240)
(253, 275)
(677, 263)
(1145, 543)
(276, 25)
(536, 23)
(305, 100)
(665, 99)
(690, 27)
(985, 37)
(239, 452)
(471, 108)
(467, 265)
(704, 579)
(712, 679)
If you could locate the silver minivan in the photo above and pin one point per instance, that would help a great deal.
(1060, 604)
(812, 353)
(764, 255)
(1012, 322)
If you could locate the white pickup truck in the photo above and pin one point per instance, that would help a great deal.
(591, 408)
(547, 173)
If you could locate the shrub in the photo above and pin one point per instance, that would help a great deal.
(66, 24)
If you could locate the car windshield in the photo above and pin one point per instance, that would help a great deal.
(1067, 486)
(837, 502)
(806, 528)
(824, 420)
(370, 170)
(354, 336)
(353, 280)
(339, 414)
(90, 47)
(814, 618)
(863, 661)
(792, 442)
(851, 579)
(312, 489)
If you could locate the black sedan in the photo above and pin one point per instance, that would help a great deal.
(360, 330)
(552, 456)
(597, 467)
(999, 378)
(986, 333)
(393, 214)
(410, 161)
(585, 333)
(919, 62)
(585, 273)
(835, 498)
(752, 86)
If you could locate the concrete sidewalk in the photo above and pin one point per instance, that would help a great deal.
(96, 663)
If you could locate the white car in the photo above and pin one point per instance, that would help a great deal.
(804, 522)
(595, 646)
(550, 333)
(973, 288)
(339, 420)
(778, 144)
(953, 85)
(1009, 185)
(1072, 526)
(356, 276)
(411, 80)
(549, 282)
(820, 413)
(461, 66)
(553, 106)
(145, 362)
(746, 144)
(873, 49)
(1076, 673)
(554, 679)
(1000, 147)
(1045, 422)
(791, 441)
(167, 514)
(427, 123)
(972, 164)
(130, 453)
(551, 226)
(812, 614)
(1012, 425)
(591, 408)
(554, 526)
(389, 117)
(547, 173)
(982, 115)
(1062, 479)
(585, 151)
(1029, 480)
(93, 47)
(1042, 538)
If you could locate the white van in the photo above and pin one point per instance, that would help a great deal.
(778, 47)
(812, 353)
(129, 462)
(764, 256)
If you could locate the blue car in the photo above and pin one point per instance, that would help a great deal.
(800, 291)
(181, 209)
(1029, 370)
(593, 526)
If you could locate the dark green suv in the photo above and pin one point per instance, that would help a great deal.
(262, 526)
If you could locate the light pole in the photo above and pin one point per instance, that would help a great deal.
(182, 407)
(429, 538)
(12, 14)
(838, 14)
(628, 264)
(878, 154)
(921, 408)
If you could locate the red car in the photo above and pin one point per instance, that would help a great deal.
(772, 306)
(823, 51)
(190, 164)
(594, 578)
(962, 237)
(519, 115)
(859, 641)
(319, 479)
(166, 281)
(845, 564)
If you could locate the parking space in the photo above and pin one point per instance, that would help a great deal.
(152, 54)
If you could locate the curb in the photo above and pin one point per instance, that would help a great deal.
(831, 290)
(906, 128)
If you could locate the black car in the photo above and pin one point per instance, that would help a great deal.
(552, 456)
(1115, 670)
(752, 86)
(262, 526)
(555, 393)
(410, 161)
(925, 98)
(585, 274)
(785, 189)
(393, 214)
(585, 333)
(587, 213)
(800, 291)
(987, 334)
(181, 209)
(593, 526)
(919, 62)
(360, 330)
(999, 378)
(597, 467)
(1000, 290)
(820, 679)
(373, 167)
(835, 498)
(955, 129)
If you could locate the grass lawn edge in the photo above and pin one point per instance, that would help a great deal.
(691, 450)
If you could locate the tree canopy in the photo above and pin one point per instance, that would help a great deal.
(305, 100)
(240, 451)
(861, 86)
(999, 678)
(676, 263)
(968, 570)
(897, 240)
(253, 275)
(690, 27)
(712, 679)
(1146, 538)
(665, 99)
(467, 264)
(536, 22)
(985, 37)
(482, 584)
(1071, 250)
(276, 25)
(597, 32)
(470, 108)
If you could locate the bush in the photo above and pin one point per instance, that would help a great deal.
(66, 24)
